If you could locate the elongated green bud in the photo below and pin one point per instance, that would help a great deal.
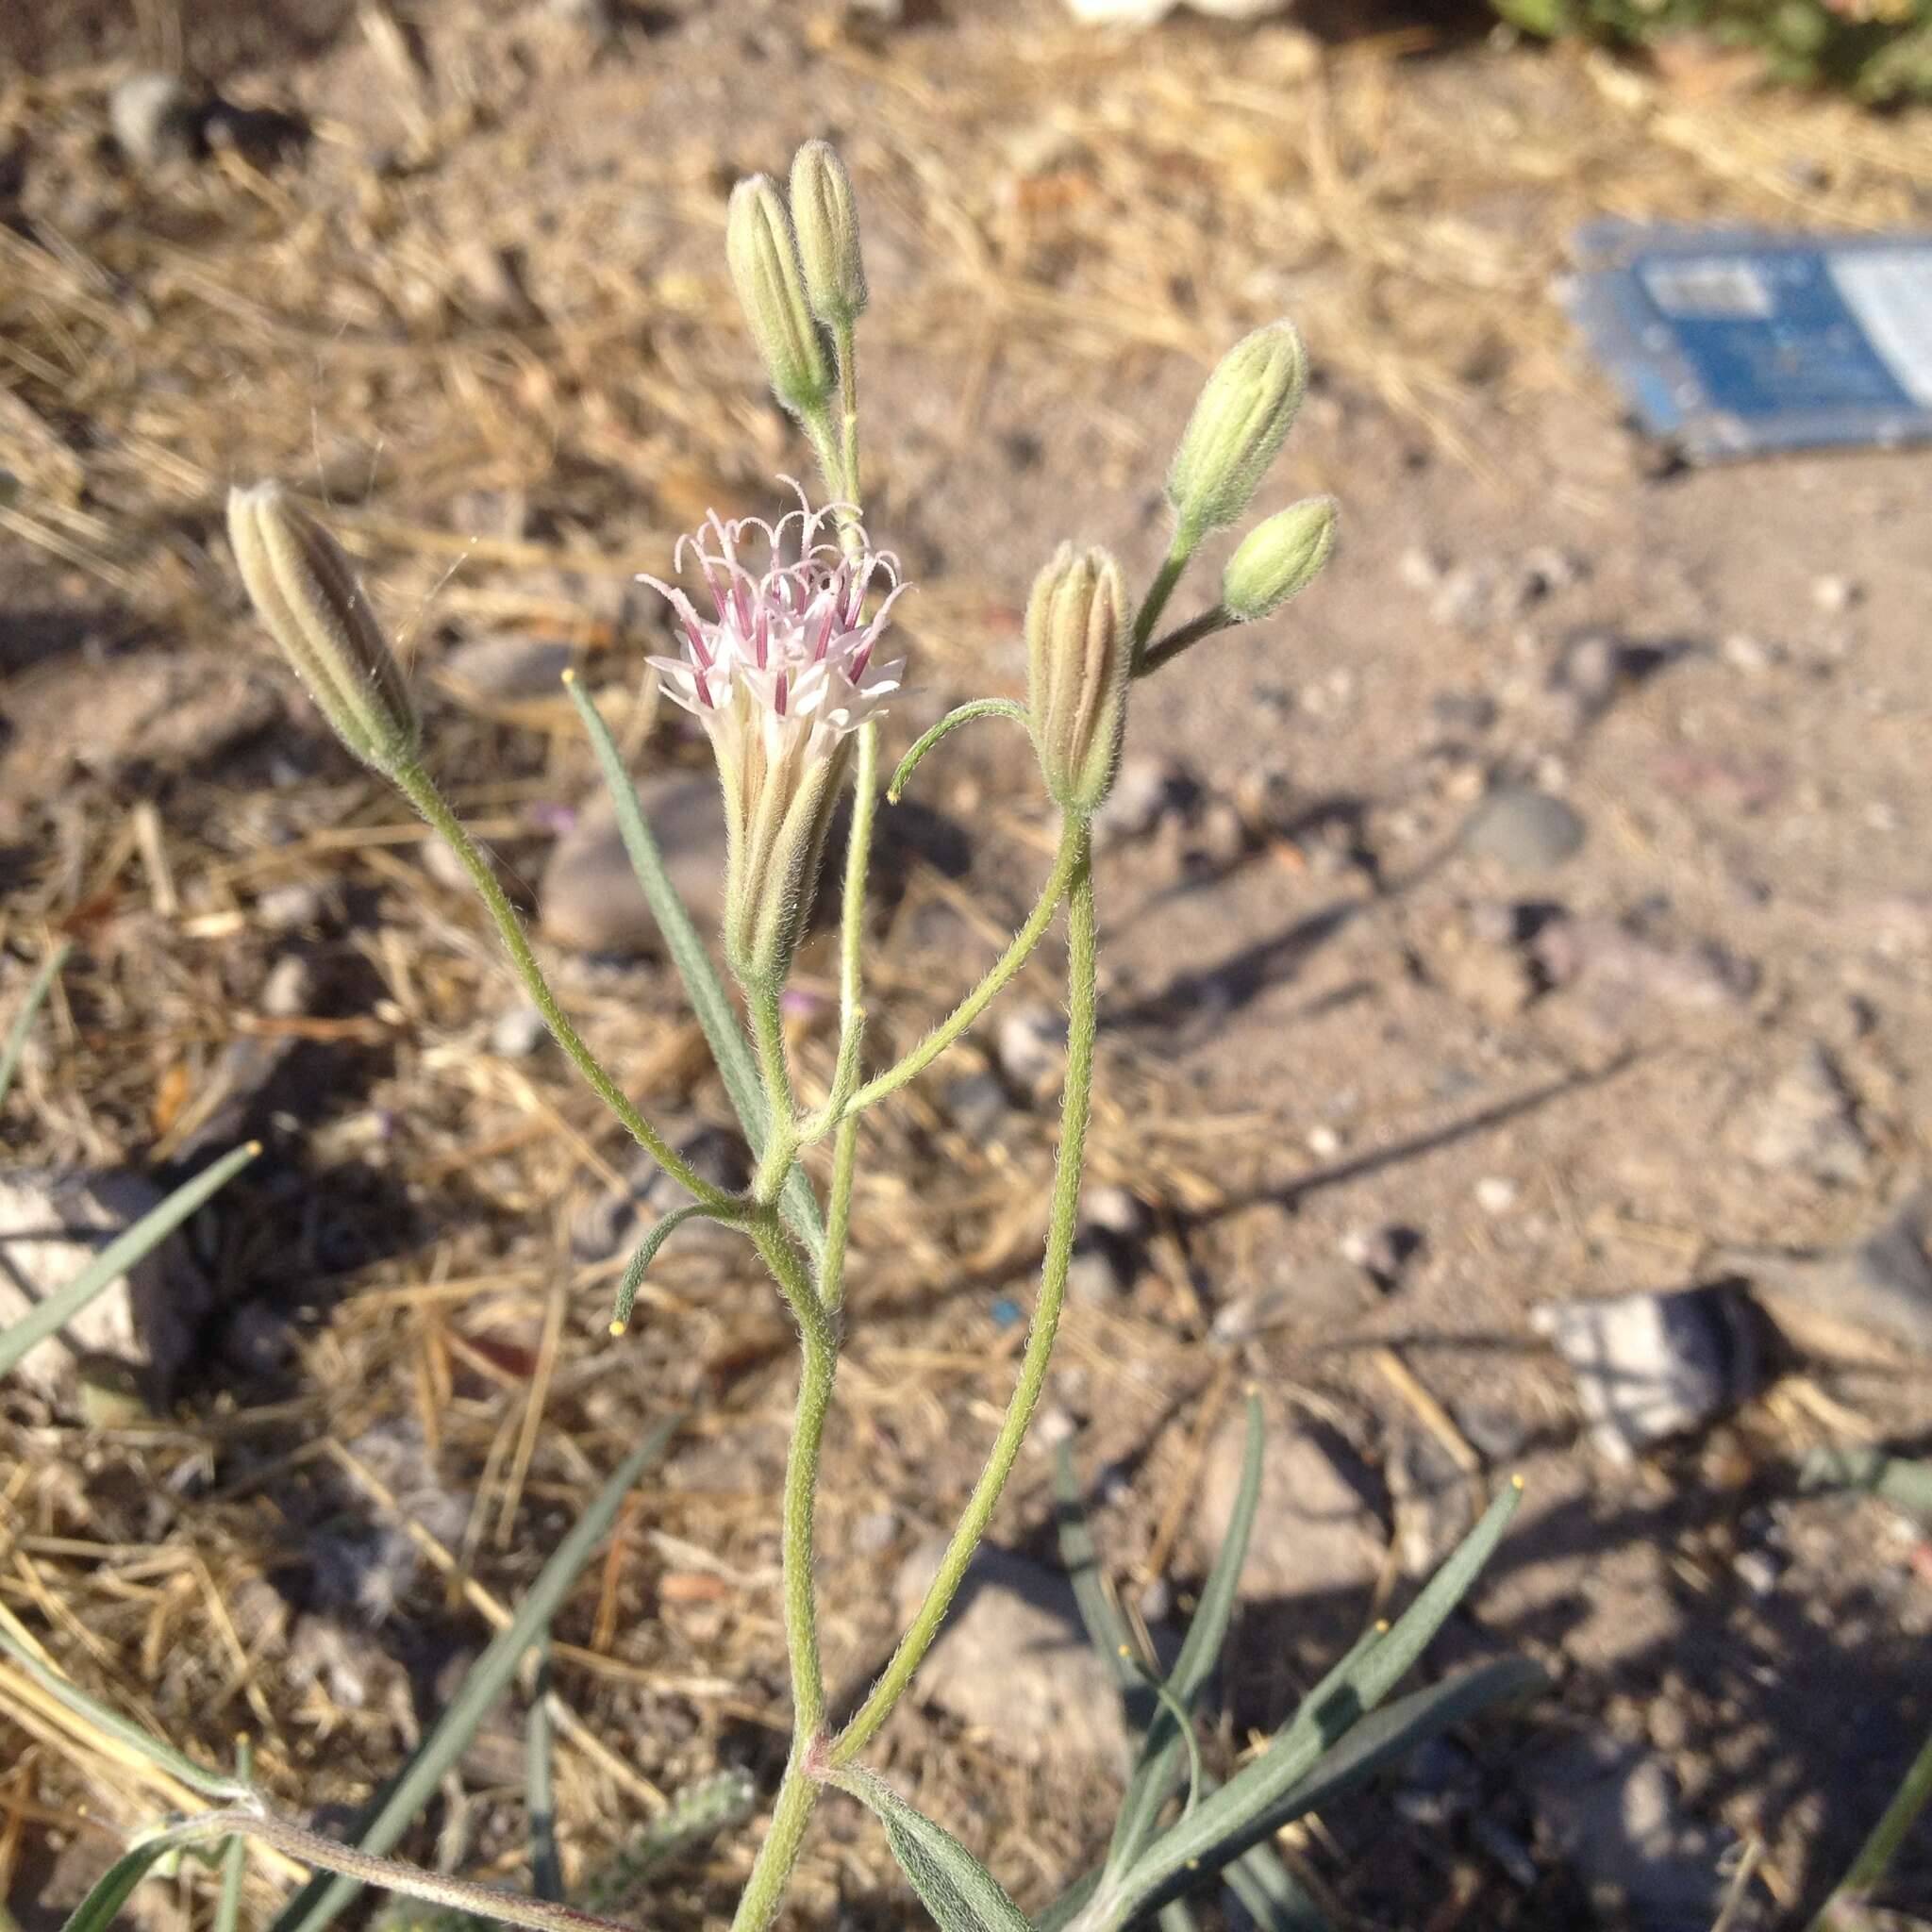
(1243, 411)
(1279, 559)
(305, 590)
(763, 254)
(826, 222)
(1079, 653)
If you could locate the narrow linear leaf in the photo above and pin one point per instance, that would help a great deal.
(197, 1777)
(1107, 1630)
(546, 1869)
(710, 1002)
(38, 990)
(639, 1264)
(1177, 1917)
(235, 1855)
(1271, 1893)
(1155, 1776)
(1877, 1853)
(98, 1910)
(120, 1254)
(960, 1893)
(1904, 1481)
(1069, 1906)
(1260, 1799)
(319, 1902)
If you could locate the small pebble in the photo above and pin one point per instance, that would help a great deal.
(153, 118)
(1834, 595)
(1495, 1194)
(1032, 1047)
(509, 666)
(1116, 1211)
(289, 991)
(874, 1533)
(976, 1104)
(1323, 1141)
(291, 908)
(518, 1033)
(1757, 1571)
(1524, 828)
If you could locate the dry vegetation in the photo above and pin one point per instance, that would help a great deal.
(505, 443)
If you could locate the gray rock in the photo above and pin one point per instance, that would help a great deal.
(1314, 1534)
(509, 668)
(976, 1104)
(1329, 1288)
(154, 119)
(1806, 1123)
(1523, 829)
(1144, 792)
(51, 1224)
(616, 1220)
(518, 1032)
(1651, 1366)
(1014, 1660)
(1098, 1273)
(1435, 1500)
(1622, 972)
(1880, 1284)
(1613, 1815)
(1116, 1211)
(1032, 1049)
(590, 896)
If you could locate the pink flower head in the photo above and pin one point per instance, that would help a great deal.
(780, 676)
(789, 654)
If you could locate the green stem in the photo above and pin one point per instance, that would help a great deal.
(1878, 1851)
(798, 1792)
(781, 1147)
(839, 1213)
(764, 1891)
(1061, 1221)
(1211, 620)
(420, 789)
(1161, 589)
(1072, 843)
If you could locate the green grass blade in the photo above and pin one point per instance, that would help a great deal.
(235, 1855)
(707, 991)
(46, 1318)
(1271, 1893)
(1107, 1630)
(546, 1869)
(1877, 1853)
(197, 1777)
(98, 1910)
(37, 991)
(1154, 1777)
(1066, 1907)
(1281, 1786)
(318, 1903)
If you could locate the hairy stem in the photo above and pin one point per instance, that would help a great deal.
(420, 789)
(764, 1891)
(1072, 845)
(1177, 640)
(1161, 591)
(1061, 1219)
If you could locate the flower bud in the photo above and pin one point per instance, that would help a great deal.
(827, 222)
(1079, 648)
(305, 590)
(1278, 560)
(763, 254)
(1243, 411)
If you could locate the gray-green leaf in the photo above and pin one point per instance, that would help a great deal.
(961, 1893)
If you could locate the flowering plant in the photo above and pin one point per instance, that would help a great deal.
(788, 665)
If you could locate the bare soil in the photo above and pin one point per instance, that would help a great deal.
(483, 315)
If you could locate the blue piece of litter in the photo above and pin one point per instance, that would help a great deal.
(1005, 1312)
(1731, 341)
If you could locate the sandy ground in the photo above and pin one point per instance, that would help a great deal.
(1329, 1014)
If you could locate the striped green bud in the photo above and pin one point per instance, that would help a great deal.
(1279, 559)
(1079, 656)
(1239, 419)
(305, 590)
(763, 254)
(827, 222)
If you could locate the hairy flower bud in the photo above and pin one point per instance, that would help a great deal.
(1079, 651)
(1239, 419)
(763, 254)
(826, 222)
(305, 590)
(1279, 559)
